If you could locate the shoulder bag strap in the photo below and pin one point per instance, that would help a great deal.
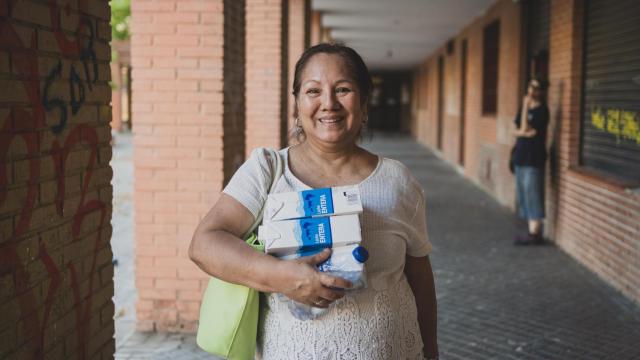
(275, 155)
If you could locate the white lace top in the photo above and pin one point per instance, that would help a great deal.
(379, 322)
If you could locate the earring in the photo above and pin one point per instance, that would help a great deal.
(364, 129)
(298, 126)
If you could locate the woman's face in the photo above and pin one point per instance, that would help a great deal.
(329, 106)
(534, 89)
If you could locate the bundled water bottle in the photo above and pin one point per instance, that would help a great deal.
(346, 262)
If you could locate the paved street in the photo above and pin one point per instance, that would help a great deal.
(122, 241)
(496, 301)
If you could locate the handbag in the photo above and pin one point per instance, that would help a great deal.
(228, 323)
(512, 166)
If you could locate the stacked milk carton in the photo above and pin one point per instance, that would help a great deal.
(303, 223)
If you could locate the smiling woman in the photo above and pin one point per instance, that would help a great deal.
(395, 317)
(334, 93)
(329, 103)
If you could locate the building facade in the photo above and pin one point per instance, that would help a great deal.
(467, 94)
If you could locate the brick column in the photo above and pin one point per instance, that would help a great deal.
(56, 275)
(565, 67)
(266, 73)
(316, 27)
(116, 97)
(187, 58)
(299, 36)
(325, 35)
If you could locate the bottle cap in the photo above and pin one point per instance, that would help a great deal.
(360, 254)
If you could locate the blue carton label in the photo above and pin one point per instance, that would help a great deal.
(317, 202)
(315, 233)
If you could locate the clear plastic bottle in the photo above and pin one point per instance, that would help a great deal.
(346, 262)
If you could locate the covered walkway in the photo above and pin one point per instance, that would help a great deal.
(495, 301)
(210, 80)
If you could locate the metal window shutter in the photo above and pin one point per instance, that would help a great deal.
(610, 138)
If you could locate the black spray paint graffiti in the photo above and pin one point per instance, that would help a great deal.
(76, 84)
(88, 53)
(52, 103)
(74, 80)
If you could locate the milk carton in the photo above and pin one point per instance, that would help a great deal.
(340, 200)
(308, 234)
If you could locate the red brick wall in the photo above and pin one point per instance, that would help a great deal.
(116, 97)
(421, 101)
(591, 217)
(487, 137)
(266, 73)
(299, 12)
(234, 87)
(56, 275)
(316, 27)
(188, 139)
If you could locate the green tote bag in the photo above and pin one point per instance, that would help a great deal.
(228, 324)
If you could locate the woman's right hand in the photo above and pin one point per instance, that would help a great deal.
(305, 284)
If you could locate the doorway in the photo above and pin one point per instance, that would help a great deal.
(463, 97)
(537, 24)
(440, 101)
(388, 106)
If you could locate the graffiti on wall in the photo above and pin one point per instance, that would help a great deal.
(621, 123)
(22, 125)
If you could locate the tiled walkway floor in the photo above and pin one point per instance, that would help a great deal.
(496, 301)
(122, 239)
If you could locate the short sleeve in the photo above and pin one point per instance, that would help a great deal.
(251, 182)
(418, 244)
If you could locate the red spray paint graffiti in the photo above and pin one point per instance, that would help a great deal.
(21, 125)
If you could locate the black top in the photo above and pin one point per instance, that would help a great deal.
(532, 151)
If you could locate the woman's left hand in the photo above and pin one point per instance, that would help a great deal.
(529, 133)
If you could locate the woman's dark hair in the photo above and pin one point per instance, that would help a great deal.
(357, 69)
(542, 84)
(542, 87)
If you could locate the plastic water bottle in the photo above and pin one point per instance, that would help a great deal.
(346, 262)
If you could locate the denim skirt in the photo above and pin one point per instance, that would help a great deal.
(530, 192)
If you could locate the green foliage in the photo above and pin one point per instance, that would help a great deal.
(120, 17)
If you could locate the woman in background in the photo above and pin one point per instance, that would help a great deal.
(529, 158)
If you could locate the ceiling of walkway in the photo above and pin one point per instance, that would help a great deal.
(396, 34)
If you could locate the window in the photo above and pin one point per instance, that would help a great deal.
(451, 47)
(491, 51)
(610, 129)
